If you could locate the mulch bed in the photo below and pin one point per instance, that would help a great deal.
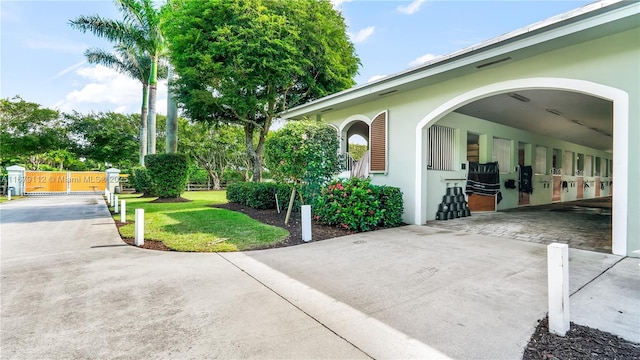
(170, 200)
(580, 342)
(271, 217)
(148, 244)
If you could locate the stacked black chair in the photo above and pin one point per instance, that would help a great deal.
(453, 205)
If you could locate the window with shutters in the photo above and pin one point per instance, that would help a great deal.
(541, 160)
(502, 154)
(441, 148)
(378, 143)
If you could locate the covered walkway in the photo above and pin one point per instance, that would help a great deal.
(583, 224)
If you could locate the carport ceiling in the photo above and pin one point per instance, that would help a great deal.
(573, 117)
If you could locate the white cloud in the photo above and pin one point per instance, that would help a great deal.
(67, 70)
(362, 35)
(105, 89)
(423, 59)
(375, 78)
(411, 8)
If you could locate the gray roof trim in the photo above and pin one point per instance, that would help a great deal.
(580, 19)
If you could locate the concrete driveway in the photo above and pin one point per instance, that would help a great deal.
(70, 288)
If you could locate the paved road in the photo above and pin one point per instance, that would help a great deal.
(71, 289)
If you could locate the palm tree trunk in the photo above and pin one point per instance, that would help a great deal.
(171, 144)
(143, 123)
(153, 85)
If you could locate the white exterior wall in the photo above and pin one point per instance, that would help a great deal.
(610, 62)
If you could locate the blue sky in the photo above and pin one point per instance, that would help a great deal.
(42, 60)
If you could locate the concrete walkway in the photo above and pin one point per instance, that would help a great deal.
(70, 289)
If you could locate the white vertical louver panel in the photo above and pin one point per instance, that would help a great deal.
(541, 160)
(502, 154)
(441, 148)
(567, 163)
(588, 165)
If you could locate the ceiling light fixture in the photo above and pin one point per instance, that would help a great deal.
(554, 112)
(580, 123)
(519, 97)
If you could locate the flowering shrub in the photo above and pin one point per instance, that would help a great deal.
(357, 205)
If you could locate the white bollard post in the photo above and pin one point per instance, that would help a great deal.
(9, 195)
(558, 282)
(116, 205)
(106, 193)
(139, 227)
(123, 211)
(113, 199)
(306, 223)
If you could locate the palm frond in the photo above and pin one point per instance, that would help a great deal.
(119, 63)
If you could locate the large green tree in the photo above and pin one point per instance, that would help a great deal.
(136, 64)
(214, 148)
(28, 130)
(245, 61)
(105, 137)
(140, 30)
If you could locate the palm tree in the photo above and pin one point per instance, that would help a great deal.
(136, 65)
(139, 29)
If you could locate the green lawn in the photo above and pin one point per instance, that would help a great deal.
(194, 226)
(4, 198)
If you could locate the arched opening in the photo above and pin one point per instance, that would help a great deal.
(357, 139)
(469, 102)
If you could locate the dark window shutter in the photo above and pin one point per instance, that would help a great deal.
(378, 143)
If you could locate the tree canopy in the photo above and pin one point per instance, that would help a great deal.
(245, 61)
(105, 137)
(27, 129)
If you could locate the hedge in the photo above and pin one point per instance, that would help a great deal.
(260, 195)
(168, 173)
(141, 180)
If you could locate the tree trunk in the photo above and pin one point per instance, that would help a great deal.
(153, 86)
(254, 157)
(260, 148)
(215, 177)
(171, 143)
(143, 123)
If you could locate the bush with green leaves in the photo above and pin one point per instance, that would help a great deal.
(197, 175)
(168, 174)
(358, 205)
(230, 176)
(141, 180)
(260, 195)
(303, 154)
